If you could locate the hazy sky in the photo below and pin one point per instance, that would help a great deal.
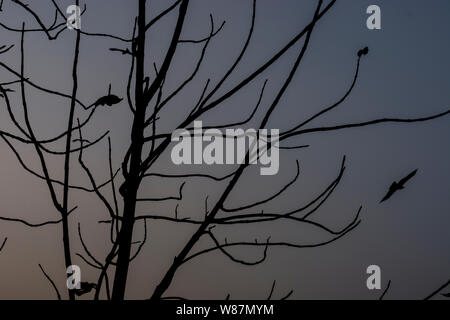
(406, 74)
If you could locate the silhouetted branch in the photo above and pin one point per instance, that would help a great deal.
(269, 198)
(97, 264)
(183, 255)
(161, 15)
(38, 20)
(192, 175)
(91, 177)
(57, 182)
(255, 218)
(92, 34)
(332, 107)
(148, 94)
(385, 290)
(51, 282)
(35, 225)
(9, 83)
(206, 107)
(130, 75)
(37, 146)
(234, 65)
(272, 290)
(38, 87)
(239, 123)
(237, 260)
(89, 263)
(87, 146)
(65, 193)
(206, 38)
(271, 244)
(53, 27)
(113, 189)
(141, 244)
(3, 244)
(265, 216)
(4, 49)
(122, 51)
(287, 295)
(179, 197)
(437, 291)
(159, 106)
(363, 124)
(104, 35)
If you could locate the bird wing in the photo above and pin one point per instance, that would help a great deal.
(409, 176)
(108, 100)
(100, 102)
(389, 194)
(112, 99)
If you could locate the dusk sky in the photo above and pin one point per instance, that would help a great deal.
(405, 75)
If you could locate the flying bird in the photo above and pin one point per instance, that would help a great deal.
(108, 100)
(363, 52)
(396, 186)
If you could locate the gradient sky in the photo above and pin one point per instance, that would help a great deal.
(406, 74)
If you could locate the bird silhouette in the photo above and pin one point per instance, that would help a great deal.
(363, 52)
(108, 100)
(85, 287)
(396, 186)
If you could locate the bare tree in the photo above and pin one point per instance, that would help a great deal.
(150, 141)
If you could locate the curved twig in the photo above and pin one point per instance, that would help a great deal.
(363, 124)
(234, 259)
(267, 199)
(179, 197)
(35, 225)
(3, 244)
(385, 291)
(270, 244)
(333, 106)
(51, 282)
(434, 293)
